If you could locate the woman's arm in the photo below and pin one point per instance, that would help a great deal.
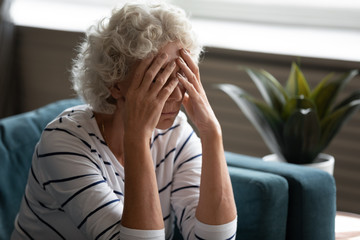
(215, 187)
(216, 202)
(142, 208)
(144, 101)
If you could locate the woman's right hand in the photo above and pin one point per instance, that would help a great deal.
(144, 100)
(146, 95)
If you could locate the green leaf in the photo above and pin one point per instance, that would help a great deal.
(297, 84)
(332, 124)
(271, 90)
(296, 103)
(301, 135)
(327, 90)
(266, 121)
(354, 96)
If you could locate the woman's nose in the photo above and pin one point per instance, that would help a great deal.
(178, 92)
(176, 95)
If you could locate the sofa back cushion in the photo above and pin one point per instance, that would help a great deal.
(18, 137)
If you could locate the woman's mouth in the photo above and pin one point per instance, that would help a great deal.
(169, 113)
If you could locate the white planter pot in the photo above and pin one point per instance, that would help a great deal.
(323, 162)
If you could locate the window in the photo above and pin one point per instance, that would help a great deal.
(328, 29)
(312, 28)
(324, 13)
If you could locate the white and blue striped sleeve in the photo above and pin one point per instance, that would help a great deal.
(134, 234)
(72, 172)
(215, 232)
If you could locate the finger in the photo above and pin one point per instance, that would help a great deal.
(163, 77)
(187, 103)
(138, 70)
(190, 75)
(166, 91)
(188, 86)
(190, 62)
(153, 71)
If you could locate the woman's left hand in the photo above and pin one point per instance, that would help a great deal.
(195, 101)
(215, 188)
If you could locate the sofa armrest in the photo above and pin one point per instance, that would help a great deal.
(312, 196)
(18, 137)
(261, 201)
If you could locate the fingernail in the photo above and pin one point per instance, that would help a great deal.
(181, 60)
(185, 51)
(179, 75)
(163, 55)
(173, 64)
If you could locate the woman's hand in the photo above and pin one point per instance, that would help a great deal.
(195, 101)
(148, 91)
(144, 100)
(215, 187)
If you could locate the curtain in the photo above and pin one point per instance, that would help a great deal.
(8, 96)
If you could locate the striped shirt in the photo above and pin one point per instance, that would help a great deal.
(75, 188)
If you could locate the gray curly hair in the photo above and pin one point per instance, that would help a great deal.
(113, 45)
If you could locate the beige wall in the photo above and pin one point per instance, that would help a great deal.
(44, 59)
(43, 62)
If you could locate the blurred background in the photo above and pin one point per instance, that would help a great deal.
(38, 40)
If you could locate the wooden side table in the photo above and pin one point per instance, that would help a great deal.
(347, 226)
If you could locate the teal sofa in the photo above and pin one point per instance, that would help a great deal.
(275, 201)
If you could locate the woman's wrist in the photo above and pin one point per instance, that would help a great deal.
(136, 134)
(211, 130)
(135, 145)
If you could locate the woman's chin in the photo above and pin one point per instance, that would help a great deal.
(166, 120)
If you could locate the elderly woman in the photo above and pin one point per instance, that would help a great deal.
(128, 164)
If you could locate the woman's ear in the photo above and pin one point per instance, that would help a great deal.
(119, 90)
(115, 91)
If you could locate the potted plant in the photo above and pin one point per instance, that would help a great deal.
(295, 122)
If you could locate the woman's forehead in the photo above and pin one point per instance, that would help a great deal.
(172, 50)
